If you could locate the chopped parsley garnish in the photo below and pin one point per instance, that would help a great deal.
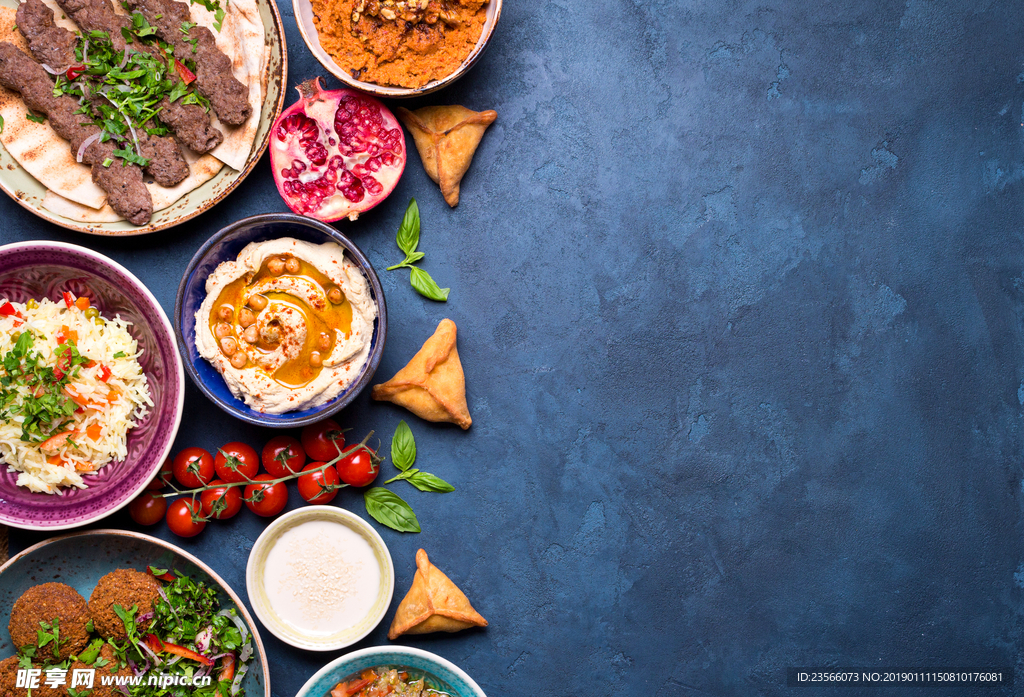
(123, 96)
(48, 633)
(35, 391)
(214, 7)
(35, 118)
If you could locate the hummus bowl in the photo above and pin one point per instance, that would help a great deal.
(245, 390)
(35, 270)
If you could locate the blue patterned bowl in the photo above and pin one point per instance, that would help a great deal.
(44, 269)
(81, 559)
(225, 246)
(321, 684)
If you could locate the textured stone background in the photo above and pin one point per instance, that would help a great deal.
(739, 289)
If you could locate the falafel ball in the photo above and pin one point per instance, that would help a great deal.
(106, 664)
(9, 680)
(45, 603)
(127, 588)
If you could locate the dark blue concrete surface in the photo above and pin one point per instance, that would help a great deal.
(739, 289)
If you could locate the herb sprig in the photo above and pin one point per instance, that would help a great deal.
(387, 507)
(408, 239)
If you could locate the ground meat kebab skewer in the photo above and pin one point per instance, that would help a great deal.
(126, 192)
(190, 122)
(55, 46)
(228, 97)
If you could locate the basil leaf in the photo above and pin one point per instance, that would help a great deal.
(409, 231)
(403, 447)
(426, 286)
(414, 257)
(425, 481)
(390, 510)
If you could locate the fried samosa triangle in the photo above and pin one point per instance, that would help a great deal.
(432, 385)
(433, 604)
(446, 138)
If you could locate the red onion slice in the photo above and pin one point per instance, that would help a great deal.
(156, 659)
(81, 151)
(203, 640)
(48, 69)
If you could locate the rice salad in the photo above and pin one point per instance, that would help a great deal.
(71, 388)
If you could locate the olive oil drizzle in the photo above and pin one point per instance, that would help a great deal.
(298, 371)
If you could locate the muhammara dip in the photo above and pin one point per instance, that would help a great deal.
(402, 43)
(288, 324)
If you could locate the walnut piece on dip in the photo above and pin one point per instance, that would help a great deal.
(287, 324)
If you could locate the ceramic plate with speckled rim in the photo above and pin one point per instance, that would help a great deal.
(81, 559)
(307, 27)
(29, 193)
(288, 633)
(44, 269)
(321, 684)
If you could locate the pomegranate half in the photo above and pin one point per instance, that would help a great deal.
(335, 154)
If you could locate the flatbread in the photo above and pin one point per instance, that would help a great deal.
(242, 27)
(30, 143)
(71, 191)
(202, 168)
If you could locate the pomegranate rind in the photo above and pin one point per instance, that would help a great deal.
(336, 154)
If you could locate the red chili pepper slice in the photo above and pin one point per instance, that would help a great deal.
(104, 373)
(153, 641)
(187, 76)
(170, 577)
(8, 310)
(69, 299)
(74, 71)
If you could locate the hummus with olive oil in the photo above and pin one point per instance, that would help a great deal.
(288, 324)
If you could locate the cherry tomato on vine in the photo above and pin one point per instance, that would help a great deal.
(360, 468)
(236, 462)
(163, 477)
(283, 455)
(319, 487)
(193, 467)
(222, 502)
(180, 516)
(148, 509)
(323, 441)
(266, 500)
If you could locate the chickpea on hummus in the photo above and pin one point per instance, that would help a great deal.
(403, 43)
(288, 324)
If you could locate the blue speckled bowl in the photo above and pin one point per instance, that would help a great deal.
(225, 246)
(326, 678)
(81, 559)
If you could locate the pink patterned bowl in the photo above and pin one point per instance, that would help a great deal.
(44, 269)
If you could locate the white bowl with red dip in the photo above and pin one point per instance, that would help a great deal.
(306, 20)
